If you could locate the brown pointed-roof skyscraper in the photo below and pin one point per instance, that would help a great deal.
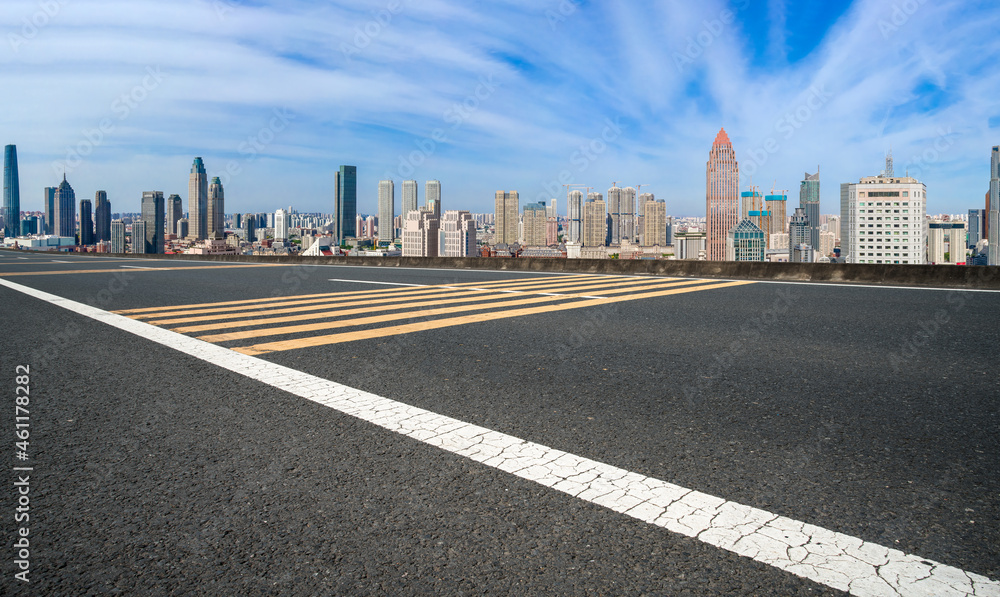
(722, 201)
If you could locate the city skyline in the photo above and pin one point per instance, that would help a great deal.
(836, 85)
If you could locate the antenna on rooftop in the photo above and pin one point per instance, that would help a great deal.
(888, 164)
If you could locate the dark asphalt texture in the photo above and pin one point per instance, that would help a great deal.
(160, 474)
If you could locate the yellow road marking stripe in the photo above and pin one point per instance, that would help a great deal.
(259, 349)
(132, 271)
(255, 303)
(349, 306)
(329, 325)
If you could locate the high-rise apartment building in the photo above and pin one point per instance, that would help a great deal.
(994, 208)
(11, 193)
(198, 201)
(883, 220)
(654, 219)
(809, 202)
(65, 203)
(345, 202)
(216, 210)
(420, 234)
(432, 195)
(118, 236)
(183, 229)
(86, 222)
(49, 203)
(386, 210)
(595, 221)
(535, 222)
(506, 215)
(799, 236)
(621, 207)
(152, 217)
(457, 235)
(721, 196)
(409, 197)
(139, 237)
(574, 216)
(102, 217)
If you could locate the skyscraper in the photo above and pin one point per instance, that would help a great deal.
(800, 236)
(198, 201)
(595, 221)
(409, 197)
(721, 196)
(49, 201)
(175, 211)
(139, 237)
(65, 204)
(216, 210)
(86, 222)
(809, 202)
(621, 207)
(506, 215)
(386, 210)
(102, 217)
(345, 202)
(11, 193)
(117, 236)
(976, 217)
(654, 219)
(432, 195)
(457, 234)
(535, 220)
(281, 225)
(574, 215)
(152, 216)
(994, 205)
(777, 206)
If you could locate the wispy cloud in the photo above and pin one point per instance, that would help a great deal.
(368, 80)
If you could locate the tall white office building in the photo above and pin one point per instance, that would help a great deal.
(386, 210)
(281, 218)
(883, 220)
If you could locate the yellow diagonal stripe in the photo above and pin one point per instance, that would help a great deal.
(329, 325)
(201, 308)
(259, 349)
(477, 294)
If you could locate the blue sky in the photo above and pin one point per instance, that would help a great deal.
(511, 94)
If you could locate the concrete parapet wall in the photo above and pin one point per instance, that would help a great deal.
(937, 276)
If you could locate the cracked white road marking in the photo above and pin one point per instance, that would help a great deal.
(833, 559)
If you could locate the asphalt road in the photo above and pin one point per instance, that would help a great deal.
(871, 412)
